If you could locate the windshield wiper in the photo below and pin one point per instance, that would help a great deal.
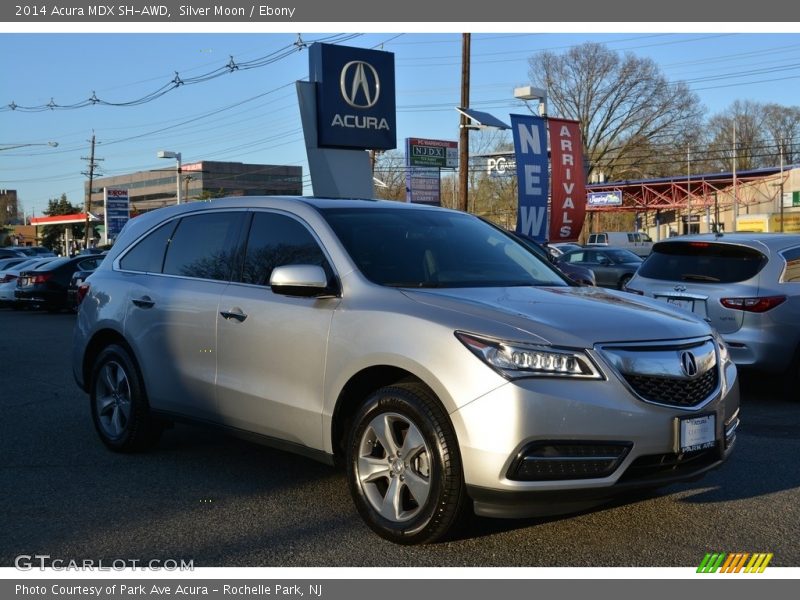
(413, 284)
(696, 277)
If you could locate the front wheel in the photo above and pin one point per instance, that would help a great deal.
(119, 406)
(624, 281)
(404, 466)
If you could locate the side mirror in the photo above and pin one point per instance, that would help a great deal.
(307, 281)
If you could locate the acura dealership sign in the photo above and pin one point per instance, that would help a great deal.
(355, 97)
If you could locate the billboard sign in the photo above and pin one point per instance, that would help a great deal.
(117, 210)
(423, 185)
(568, 203)
(431, 153)
(530, 149)
(355, 97)
(500, 166)
(600, 199)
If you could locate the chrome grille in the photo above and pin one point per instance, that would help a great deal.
(683, 374)
(675, 391)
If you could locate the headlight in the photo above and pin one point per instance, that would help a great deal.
(724, 355)
(515, 359)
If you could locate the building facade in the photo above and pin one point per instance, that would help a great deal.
(202, 180)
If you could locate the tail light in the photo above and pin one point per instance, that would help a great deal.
(755, 305)
(40, 278)
(83, 289)
(7, 277)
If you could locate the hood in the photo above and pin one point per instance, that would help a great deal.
(568, 316)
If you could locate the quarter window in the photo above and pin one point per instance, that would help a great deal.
(276, 240)
(791, 273)
(147, 256)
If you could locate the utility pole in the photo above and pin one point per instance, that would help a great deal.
(735, 199)
(463, 144)
(781, 196)
(88, 202)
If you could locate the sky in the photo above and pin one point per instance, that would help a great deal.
(251, 115)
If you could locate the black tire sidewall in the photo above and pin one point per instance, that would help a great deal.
(437, 432)
(131, 439)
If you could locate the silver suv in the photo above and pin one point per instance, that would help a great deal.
(746, 285)
(447, 367)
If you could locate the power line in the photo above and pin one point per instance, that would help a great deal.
(178, 81)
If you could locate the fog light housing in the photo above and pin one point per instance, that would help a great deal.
(552, 461)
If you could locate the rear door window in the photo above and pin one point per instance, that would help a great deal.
(702, 262)
(203, 246)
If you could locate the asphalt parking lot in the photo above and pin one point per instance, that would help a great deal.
(219, 501)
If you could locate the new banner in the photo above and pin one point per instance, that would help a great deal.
(530, 149)
(568, 202)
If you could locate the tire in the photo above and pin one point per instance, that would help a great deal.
(402, 448)
(790, 380)
(623, 281)
(120, 411)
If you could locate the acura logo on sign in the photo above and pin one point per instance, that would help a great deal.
(689, 364)
(360, 84)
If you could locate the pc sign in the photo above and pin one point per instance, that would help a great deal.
(530, 146)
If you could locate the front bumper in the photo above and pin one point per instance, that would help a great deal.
(495, 430)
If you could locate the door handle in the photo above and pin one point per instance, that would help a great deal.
(144, 302)
(235, 314)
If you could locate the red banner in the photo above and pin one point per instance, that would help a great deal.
(568, 196)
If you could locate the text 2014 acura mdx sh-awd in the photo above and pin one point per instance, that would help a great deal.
(445, 365)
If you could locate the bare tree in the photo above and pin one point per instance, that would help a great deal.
(783, 125)
(626, 107)
(390, 173)
(763, 132)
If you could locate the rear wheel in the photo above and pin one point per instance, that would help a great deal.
(790, 380)
(120, 411)
(404, 467)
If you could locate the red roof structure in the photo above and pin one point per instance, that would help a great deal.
(63, 219)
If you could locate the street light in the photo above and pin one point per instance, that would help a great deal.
(177, 157)
(528, 92)
(15, 146)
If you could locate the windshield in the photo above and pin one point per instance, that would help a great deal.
(406, 247)
(702, 262)
(623, 256)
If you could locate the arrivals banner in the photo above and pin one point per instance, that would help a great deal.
(530, 149)
(568, 203)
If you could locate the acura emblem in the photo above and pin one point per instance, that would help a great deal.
(360, 84)
(689, 364)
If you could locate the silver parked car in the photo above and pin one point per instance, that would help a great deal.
(446, 366)
(746, 285)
